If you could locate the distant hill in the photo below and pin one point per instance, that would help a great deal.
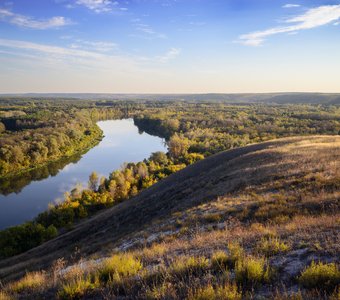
(279, 98)
(284, 192)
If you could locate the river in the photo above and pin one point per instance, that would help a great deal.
(122, 142)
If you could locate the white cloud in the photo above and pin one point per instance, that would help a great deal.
(170, 55)
(56, 56)
(312, 18)
(146, 31)
(98, 6)
(29, 22)
(97, 46)
(51, 50)
(290, 5)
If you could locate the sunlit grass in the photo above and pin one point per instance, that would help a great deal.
(184, 266)
(119, 266)
(252, 270)
(320, 275)
(224, 292)
(78, 287)
(30, 282)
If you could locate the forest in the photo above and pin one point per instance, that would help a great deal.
(36, 132)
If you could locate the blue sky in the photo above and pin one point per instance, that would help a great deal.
(169, 46)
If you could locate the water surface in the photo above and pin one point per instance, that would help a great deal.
(122, 143)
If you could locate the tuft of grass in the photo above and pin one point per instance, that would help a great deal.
(30, 282)
(286, 296)
(225, 292)
(212, 218)
(184, 266)
(153, 252)
(252, 270)
(164, 291)
(271, 246)
(236, 252)
(119, 266)
(320, 275)
(5, 296)
(78, 287)
(220, 261)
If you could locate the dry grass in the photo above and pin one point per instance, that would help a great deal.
(225, 292)
(5, 296)
(119, 266)
(280, 201)
(320, 275)
(29, 283)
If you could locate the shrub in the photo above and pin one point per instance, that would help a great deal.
(18, 239)
(119, 266)
(184, 266)
(153, 252)
(78, 287)
(226, 292)
(4, 296)
(31, 281)
(251, 270)
(320, 275)
(236, 252)
(164, 291)
(271, 246)
(220, 261)
(212, 218)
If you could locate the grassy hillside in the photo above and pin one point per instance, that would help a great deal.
(253, 221)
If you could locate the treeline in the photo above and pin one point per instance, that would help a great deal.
(40, 136)
(101, 193)
(212, 128)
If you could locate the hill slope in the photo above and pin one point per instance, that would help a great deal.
(285, 191)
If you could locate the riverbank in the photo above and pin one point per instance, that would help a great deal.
(95, 137)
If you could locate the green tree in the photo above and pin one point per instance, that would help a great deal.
(178, 145)
(93, 181)
(159, 157)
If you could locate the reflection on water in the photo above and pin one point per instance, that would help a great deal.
(17, 183)
(29, 194)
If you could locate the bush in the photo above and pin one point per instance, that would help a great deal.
(236, 253)
(226, 292)
(21, 238)
(320, 275)
(119, 266)
(251, 270)
(163, 291)
(78, 287)
(4, 296)
(220, 260)
(184, 266)
(271, 246)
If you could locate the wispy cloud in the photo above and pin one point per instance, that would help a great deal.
(98, 6)
(77, 58)
(97, 46)
(291, 5)
(312, 18)
(29, 22)
(148, 32)
(170, 55)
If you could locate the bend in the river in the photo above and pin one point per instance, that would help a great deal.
(122, 142)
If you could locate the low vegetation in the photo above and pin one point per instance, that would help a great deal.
(321, 275)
